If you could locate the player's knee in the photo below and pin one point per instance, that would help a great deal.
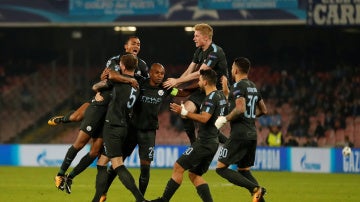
(192, 176)
(94, 153)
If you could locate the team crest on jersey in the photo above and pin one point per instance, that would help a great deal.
(88, 128)
(161, 92)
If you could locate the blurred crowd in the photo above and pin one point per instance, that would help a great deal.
(310, 107)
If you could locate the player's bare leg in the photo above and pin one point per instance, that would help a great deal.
(72, 116)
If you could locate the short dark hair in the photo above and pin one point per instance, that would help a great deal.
(209, 75)
(130, 62)
(131, 37)
(243, 64)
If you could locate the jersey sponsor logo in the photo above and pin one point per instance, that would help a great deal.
(150, 100)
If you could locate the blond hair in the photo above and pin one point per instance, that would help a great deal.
(204, 29)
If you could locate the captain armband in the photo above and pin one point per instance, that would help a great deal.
(174, 92)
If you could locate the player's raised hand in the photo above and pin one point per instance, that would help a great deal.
(175, 108)
(170, 82)
(134, 83)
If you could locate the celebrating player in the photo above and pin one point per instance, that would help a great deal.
(198, 156)
(207, 56)
(240, 148)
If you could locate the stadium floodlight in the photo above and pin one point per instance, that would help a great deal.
(125, 28)
(189, 29)
(76, 34)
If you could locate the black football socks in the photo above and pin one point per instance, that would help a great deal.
(144, 178)
(170, 190)
(69, 157)
(236, 178)
(128, 181)
(85, 162)
(101, 181)
(204, 192)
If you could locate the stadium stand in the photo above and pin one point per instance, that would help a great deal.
(309, 104)
(45, 87)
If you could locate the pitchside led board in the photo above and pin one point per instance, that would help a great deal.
(118, 7)
(333, 12)
(292, 159)
(140, 7)
(247, 4)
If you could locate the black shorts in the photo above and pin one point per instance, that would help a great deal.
(94, 116)
(93, 121)
(145, 139)
(197, 97)
(114, 138)
(198, 157)
(239, 152)
(146, 142)
(130, 142)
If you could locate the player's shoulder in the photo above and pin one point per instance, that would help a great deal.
(141, 61)
(140, 79)
(216, 48)
(112, 60)
(115, 57)
(218, 94)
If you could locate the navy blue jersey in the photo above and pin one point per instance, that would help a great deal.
(121, 105)
(142, 69)
(148, 106)
(215, 58)
(214, 104)
(243, 126)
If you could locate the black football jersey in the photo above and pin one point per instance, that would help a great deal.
(148, 106)
(120, 108)
(142, 69)
(215, 58)
(214, 104)
(243, 127)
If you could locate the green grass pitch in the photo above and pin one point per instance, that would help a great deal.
(37, 185)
